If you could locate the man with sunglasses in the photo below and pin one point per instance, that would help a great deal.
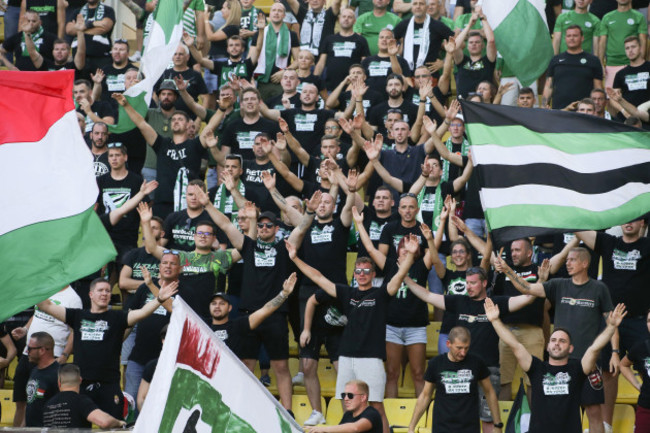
(266, 266)
(43, 379)
(363, 343)
(359, 416)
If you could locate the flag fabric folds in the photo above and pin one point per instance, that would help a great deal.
(162, 41)
(49, 232)
(545, 171)
(521, 33)
(519, 418)
(200, 385)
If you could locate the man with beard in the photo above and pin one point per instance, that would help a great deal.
(95, 111)
(115, 72)
(60, 53)
(396, 100)
(31, 34)
(556, 383)
(98, 137)
(98, 24)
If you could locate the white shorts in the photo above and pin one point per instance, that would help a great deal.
(370, 370)
(407, 335)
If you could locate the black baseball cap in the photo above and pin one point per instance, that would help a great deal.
(221, 295)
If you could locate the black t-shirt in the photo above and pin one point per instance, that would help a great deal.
(147, 340)
(532, 314)
(98, 343)
(232, 331)
(405, 309)
(324, 247)
(370, 99)
(226, 68)
(255, 189)
(471, 314)
(639, 354)
(453, 283)
(114, 81)
(42, 385)
(149, 370)
(626, 271)
(136, 146)
(275, 102)
(175, 162)
(219, 49)
(96, 45)
(265, 269)
(555, 399)
(68, 409)
(46, 10)
(378, 113)
(240, 136)
(365, 334)
(197, 291)
(140, 257)
(573, 77)
(112, 195)
(101, 165)
(393, 233)
(195, 87)
(369, 413)
(342, 52)
(307, 127)
(329, 22)
(470, 74)
(438, 32)
(180, 228)
(634, 81)
(312, 170)
(379, 68)
(101, 110)
(559, 242)
(456, 408)
(374, 225)
(44, 45)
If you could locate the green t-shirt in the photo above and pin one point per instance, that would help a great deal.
(366, 6)
(369, 26)
(448, 22)
(617, 26)
(217, 262)
(589, 23)
(189, 16)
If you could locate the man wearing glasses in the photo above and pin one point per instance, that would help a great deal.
(43, 379)
(359, 416)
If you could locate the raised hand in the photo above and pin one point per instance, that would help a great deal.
(351, 180)
(167, 291)
(188, 39)
(412, 245)
(289, 284)
(291, 249)
(225, 102)
(453, 110)
(426, 168)
(393, 49)
(145, 212)
(121, 99)
(425, 89)
(146, 275)
(357, 121)
(371, 151)
(345, 124)
(356, 216)
(181, 84)
(268, 179)
(616, 315)
(148, 187)
(284, 126)
(426, 232)
(200, 194)
(314, 201)
(210, 139)
(459, 223)
(98, 76)
(249, 210)
(450, 45)
(544, 271)
(491, 310)
(228, 181)
(429, 125)
(280, 141)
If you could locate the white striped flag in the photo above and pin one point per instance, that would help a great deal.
(201, 386)
(49, 232)
(547, 171)
(521, 35)
(159, 46)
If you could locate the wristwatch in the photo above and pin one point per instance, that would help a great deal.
(498, 425)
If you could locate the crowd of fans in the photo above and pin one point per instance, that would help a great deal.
(278, 144)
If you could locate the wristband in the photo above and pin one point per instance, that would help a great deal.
(159, 300)
(64, 354)
(221, 109)
(360, 101)
(617, 351)
(89, 24)
(498, 425)
(309, 212)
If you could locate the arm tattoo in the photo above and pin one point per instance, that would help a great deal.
(305, 221)
(516, 279)
(279, 196)
(277, 301)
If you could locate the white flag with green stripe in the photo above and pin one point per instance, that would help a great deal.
(159, 46)
(521, 35)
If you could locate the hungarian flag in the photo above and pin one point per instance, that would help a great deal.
(201, 386)
(159, 46)
(521, 33)
(49, 232)
(519, 418)
(547, 171)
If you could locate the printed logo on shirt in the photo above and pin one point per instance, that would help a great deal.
(556, 385)
(477, 66)
(265, 258)
(93, 331)
(114, 198)
(183, 236)
(378, 69)
(457, 286)
(362, 303)
(375, 230)
(176, 154)
(100, 168)
(34, 391)
(646, 364)
(637, 81)
(587, 303)
(472, 319)
(397, 238)
(529, 276)
(457, 382)
(343, 49)
(222, 334)
(625, 260)
(254, 176)
(305, 122)
(160, 310)
(115, 83)
(246, 139)
(319, 236)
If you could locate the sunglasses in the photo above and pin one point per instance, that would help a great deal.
(364, 271)
(206, 234)
(408, 194)
(112, 145)
(348, 395)
(29, 349)
(267, 225)
(174, 252)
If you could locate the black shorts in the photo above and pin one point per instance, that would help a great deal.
(273, 332)
(107, 396)
(21, 376)
(592, 389)
(331, 341)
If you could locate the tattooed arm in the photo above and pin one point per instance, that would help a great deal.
(535, 289)
(270, 307)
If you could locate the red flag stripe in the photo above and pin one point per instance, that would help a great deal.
(24, 120)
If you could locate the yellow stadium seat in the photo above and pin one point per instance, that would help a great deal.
(406, 387)
(327, 376)
(273, 389)
(302, 408)
(334, 412)
(11, 370)
(293, 346)
(352, 257)
(399, 412)
(504, 408)
(623, 421)
(514, 386)
(627, 394)
(433, 333)
(431, 310)
(8, 408)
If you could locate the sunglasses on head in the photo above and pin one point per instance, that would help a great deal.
(174, 252)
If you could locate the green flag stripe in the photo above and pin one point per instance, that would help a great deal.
(571, 143)
(566, 217)
(124, 122)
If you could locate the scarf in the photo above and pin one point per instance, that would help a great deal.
(437, 206)
(276, 52)
(221, 198)
(311, 31)
(252, 17)
(445, 164)
(180, 189)
(409, 42)
(99, 12)
(35, 38)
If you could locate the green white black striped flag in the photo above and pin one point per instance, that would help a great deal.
(545, 171)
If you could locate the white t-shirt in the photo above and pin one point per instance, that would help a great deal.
(46, 323)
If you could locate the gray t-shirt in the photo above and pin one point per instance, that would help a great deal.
(580, 309)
